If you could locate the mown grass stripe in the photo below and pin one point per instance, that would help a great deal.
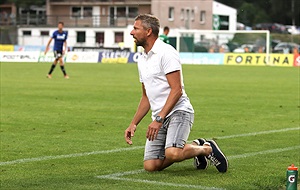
(118, 176)
(159, 183)
(37, 159)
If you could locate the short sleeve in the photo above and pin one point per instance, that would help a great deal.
(140, 76)
(66, 35)
(171, 61)
(54, 35)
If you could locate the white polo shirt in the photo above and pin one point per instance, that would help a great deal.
(153, 67)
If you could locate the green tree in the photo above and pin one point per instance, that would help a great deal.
(282, 12)
(261, 17)
(251, 12)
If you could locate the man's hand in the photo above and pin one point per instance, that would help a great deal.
(152, 131)
(129, 133)
(46, 50)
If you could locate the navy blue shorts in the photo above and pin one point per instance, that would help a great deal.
(58, 54)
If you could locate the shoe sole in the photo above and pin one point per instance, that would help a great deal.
(200, 159)
(220, 156)
(198, 142)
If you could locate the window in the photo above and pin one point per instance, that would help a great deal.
(121, 11)
(87, 11)
(202, 17)
(187, 19)
(202, 37)
(80, 36)
(81, 12)
(26, 32)
(192, 15)
(133, 12)
(100, 38)
(76, 11)
(125, 11)
(182, 14)
(171, 13)
(224, 22)
(119, 37)
(44, 33)
(33, 11)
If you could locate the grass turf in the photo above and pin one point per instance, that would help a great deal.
(89, 112)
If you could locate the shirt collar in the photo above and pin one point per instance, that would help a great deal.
(154, 49)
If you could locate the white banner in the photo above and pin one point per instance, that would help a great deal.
(48, 58)
(82, 57)
(12, 56)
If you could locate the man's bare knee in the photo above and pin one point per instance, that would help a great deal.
(174, 154)
(153, 165)
(150, 168)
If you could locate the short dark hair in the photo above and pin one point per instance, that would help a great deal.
(60, 22)
(149, 21)
(166, 28)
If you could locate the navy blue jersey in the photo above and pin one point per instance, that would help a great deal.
(59, 39)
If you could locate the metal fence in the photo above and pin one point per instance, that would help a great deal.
(70, 21)
(8, 35)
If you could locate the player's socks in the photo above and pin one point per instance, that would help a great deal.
(63, 70)
(51, 69)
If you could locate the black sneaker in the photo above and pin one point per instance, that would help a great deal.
(217, 157)
(200, 162)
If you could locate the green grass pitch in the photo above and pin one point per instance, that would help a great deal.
(68, 134)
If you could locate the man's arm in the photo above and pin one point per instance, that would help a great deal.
(142, 110)
(65, 47)
(47, 47)
(174, 81)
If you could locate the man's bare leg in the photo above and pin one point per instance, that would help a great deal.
(174, 154)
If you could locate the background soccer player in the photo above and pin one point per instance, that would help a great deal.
(164, 37)
(60, 45)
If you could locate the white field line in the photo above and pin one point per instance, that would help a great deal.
(37, 159)
(271, 151)
(159, 183)
(119, 176)
(258, 133)
(19, 161)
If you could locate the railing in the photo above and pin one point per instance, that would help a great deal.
(84, 1)
(69, 21)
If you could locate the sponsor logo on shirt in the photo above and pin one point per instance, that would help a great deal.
(61, 37)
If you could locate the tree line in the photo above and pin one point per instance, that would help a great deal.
(251, 12)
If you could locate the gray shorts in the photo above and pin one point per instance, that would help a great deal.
(174, 133)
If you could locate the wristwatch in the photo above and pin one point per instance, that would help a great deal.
(159, 119)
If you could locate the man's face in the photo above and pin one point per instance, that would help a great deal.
(139, 33)
(60, 26)
(167, 32)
